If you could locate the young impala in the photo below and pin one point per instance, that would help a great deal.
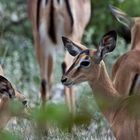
(125, 72)
(88, 65)
(50, 20)
(8, 94)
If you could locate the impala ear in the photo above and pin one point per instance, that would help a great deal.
(122, 17)
(107, 45)
(71, 47)
(6, 87)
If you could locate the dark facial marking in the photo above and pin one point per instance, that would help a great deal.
(71, 67)
(86, 52)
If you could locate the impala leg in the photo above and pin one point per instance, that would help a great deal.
(44, 81)
(47, 74)
(41, 58)
(66, 90)
(46, 84)
(67, 98)
(47, 77)
(72, 106)
(72, 101)
(41, 61)
(43, 91)
(50, 74)
(69, 94)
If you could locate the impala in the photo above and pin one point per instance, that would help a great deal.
(88, 65)
(50, 20)
(8, 94)
(126, 69)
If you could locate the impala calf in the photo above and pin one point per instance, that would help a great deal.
(126, 69)
(88, 65)
(50, 20)
(8, 94)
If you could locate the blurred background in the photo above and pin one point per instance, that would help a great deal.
(17, 57)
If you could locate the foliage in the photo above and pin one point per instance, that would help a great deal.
(102, 20)
(7, 136)
(18, 59)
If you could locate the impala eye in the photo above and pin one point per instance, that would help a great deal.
(85, 63)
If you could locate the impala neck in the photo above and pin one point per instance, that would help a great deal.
(104, 91)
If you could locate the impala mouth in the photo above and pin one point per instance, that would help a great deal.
(25, 103)
(68, 84)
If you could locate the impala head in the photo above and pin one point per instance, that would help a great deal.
(8, 92)
(87, 62)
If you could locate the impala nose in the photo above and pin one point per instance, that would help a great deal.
(25, 102)
(64, 79)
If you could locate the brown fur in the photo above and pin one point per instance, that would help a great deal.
(124, 71)
(125, 68)
(81, 13)
(5, 112)
(120, 112)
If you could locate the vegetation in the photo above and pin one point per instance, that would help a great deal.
(18, 59)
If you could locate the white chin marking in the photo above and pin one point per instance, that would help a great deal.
(69, 84)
